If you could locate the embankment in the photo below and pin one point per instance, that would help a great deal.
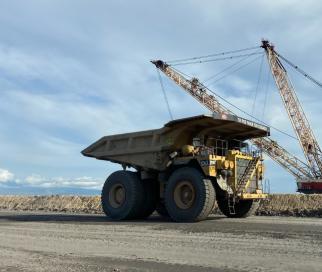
(276, 205)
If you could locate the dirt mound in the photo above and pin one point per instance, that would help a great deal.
(292, 205)
(276, 205)
(55, 203)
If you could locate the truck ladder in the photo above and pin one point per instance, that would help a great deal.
(248, 174)
(231, 201)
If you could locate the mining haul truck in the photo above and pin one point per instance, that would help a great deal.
(183, 168)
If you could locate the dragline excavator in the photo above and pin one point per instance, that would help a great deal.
(308, 174)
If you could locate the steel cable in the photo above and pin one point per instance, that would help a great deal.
(237, 69)
(213, 55)
(216, 59)
(241, 110)
(258, 83)
(316, 82)
(225, 69)
(164, 94)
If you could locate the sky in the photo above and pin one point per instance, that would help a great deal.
(74, 71)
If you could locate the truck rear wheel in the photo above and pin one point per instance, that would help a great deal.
(189, 197)
(122, 195)
(243, 208)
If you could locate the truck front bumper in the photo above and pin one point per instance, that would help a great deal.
(253, 196)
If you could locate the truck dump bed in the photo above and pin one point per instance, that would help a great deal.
(150, 149)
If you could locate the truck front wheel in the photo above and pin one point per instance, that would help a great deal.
(189, 197)
(242, 208)
(122, 195)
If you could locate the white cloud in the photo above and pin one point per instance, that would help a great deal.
(34, 179)
(5, 175)
(62, 182)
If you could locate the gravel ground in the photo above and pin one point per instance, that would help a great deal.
(32, 241)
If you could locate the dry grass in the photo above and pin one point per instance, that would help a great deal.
(292, 205)
(81, 204)
(276, 205)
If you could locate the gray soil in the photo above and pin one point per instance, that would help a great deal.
(68, 242)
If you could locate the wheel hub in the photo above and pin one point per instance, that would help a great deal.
(117, 195)
(184, 195)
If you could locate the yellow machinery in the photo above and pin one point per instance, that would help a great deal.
(183, 168)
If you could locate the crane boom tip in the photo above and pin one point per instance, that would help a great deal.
(159, 63)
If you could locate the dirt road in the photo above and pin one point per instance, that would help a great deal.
(68, 242)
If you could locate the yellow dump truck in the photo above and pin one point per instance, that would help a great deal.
(181, 169)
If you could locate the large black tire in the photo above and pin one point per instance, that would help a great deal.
(243, 208)
(122, 195)
(189, 197)
(150, 198)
